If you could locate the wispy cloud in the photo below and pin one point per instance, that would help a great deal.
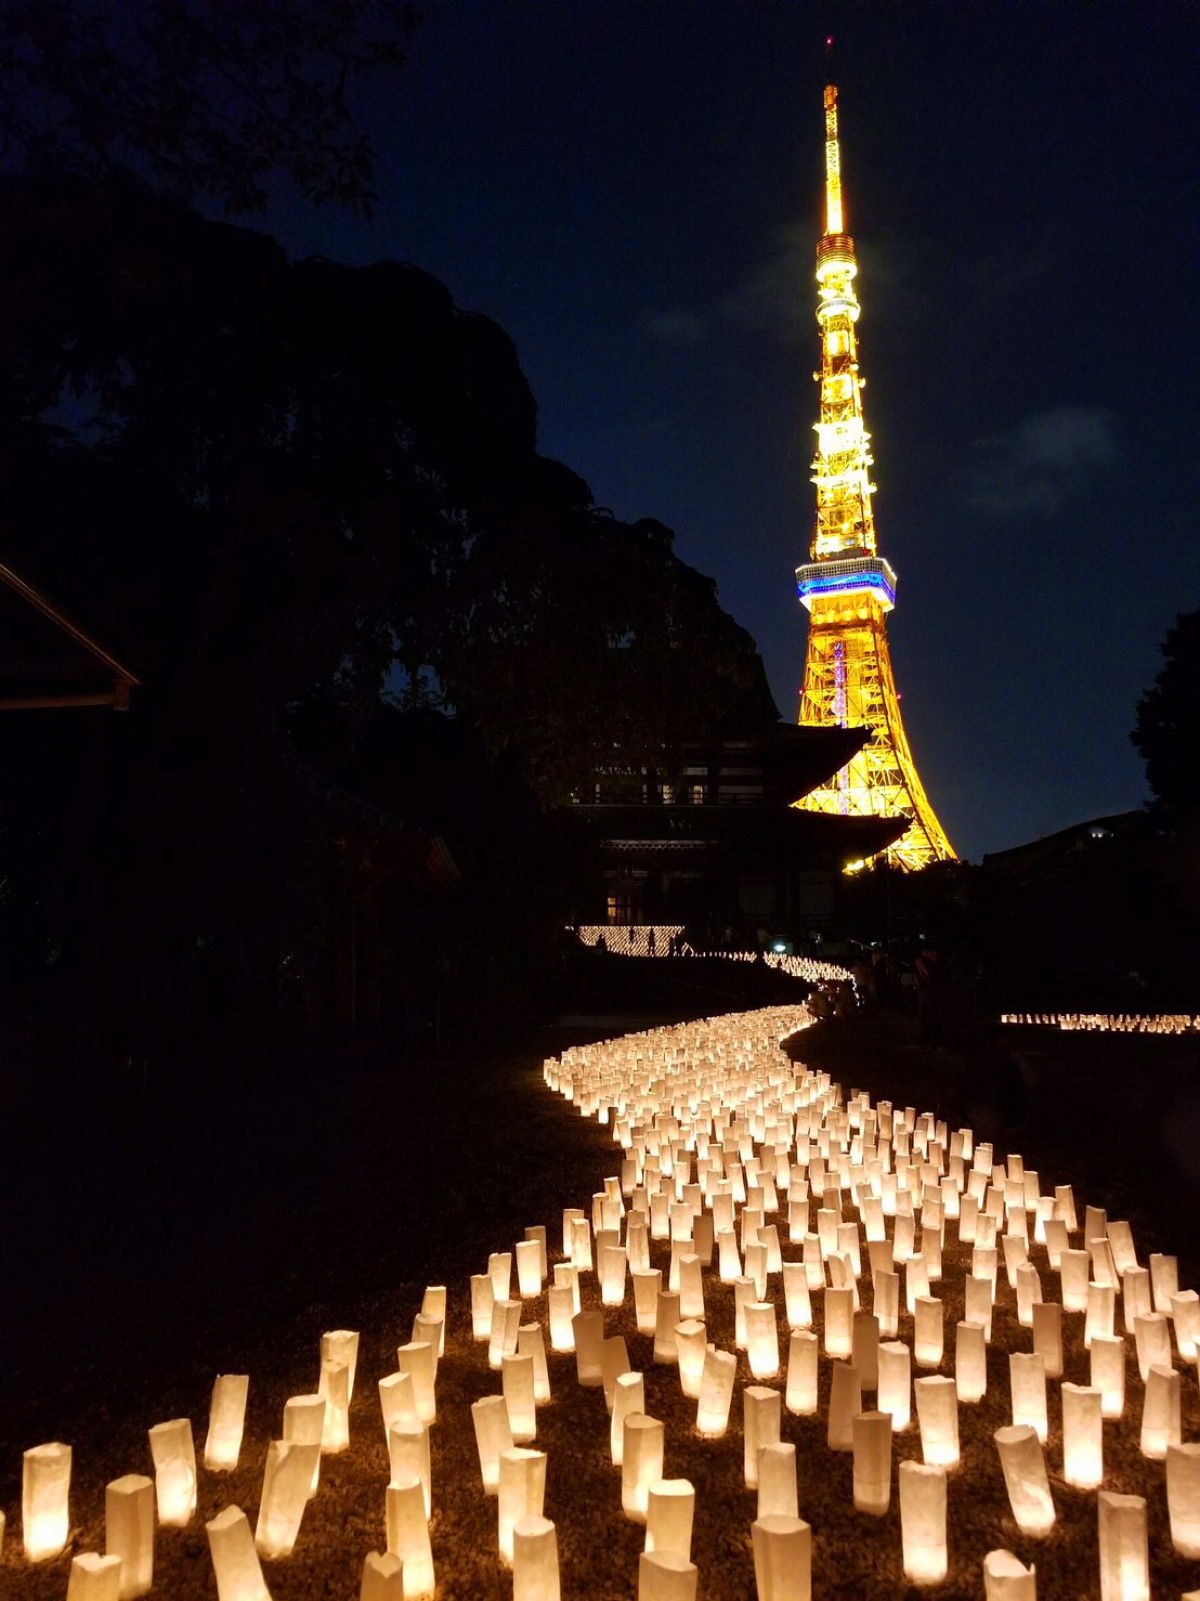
(1040, 463)
(678, 328)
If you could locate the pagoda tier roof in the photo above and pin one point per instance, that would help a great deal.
(48, 659)
(794, 760)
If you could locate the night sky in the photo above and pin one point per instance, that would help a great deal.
(634, 193)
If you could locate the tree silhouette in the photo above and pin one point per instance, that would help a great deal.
(1167, 731)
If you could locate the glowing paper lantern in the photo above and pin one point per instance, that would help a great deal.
(492, 1437)
(690, 1347)
(691, 1287)
(517, 1376)
(334, 1386)
(433, 1305)
(1183, 1497)
(970, 1362)
(801, 1392)
(417, 1360)
(666, 1576)
(383, 1577)
(743, 1293)
(1153, 1343)
(588, 1328)
(1074, 1271)
(1047, 1336)
(797, 1302)
(1029, 1293)
(1006, 1578)
(872, 1462)
(670, 1510)
(409, 1458)
(716, 1391)
(761, 1418)
(629, 1397)
(129, 1532)
(887, 1304)
(782, 1559)
(839, 1314)
(535, 1560)
(502, 1339)
(1083, 1438)
(613, 1262)
(286, 1482)
(923, 1522)
(762, 1339)
(234, 1559)
(647, 1285)
(1161, 1412)
(895, 1384)
(174, 1454)
(979, 1299)
(777, 1495)
(94, 1578)
(408, 1538)
(531, 1343)
(937, 1418)
(845, 1399)
(729, 1263)
(1101, 1309)
(481, 1305)
(341, 1345)
(641, 1463)
(864, 1349)
(614, 1360)
(226, 1422)
(1124, 1558)
(561, 1303)
(500, 1272)
(1027, 1386)
(929, 1332)
(529, 1269)
(1136, 1296)
(1164, 1282)
(1185, 1319)
(304, 1423)
(1025, 1478)
(1108, 1374)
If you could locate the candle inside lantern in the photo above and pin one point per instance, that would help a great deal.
(1074, 1270)
(777, 1494)
(716, 1391)
(1101, 1309)
(1183, 1497)
(1164, 1281)
(1153, 1342)
(1083, 1438)
(433, 1305)
(492, 1437)
(1185, 1320)
(629, 1397)
(872, 1462)
(613, 1263)
(641, 1463)
(1161, 1413)
(761, 1419)
(923, 1522)
(94, 1578)
(1124, 1558)
(801, 1393)
(864, 1349)
(286, 1481)
(895, 1384)
(500, 1273)
(614, 1360)
(408, 1538)
(670, 1511)
(226, 1422)
(782, 1559)
(1025, 1478)
(691, 1286)
(234, 1559)
(535, 1560)
(1006, 1578)
(839, 1313)
(174, 1454)
(129, 1532)
(978, 1304)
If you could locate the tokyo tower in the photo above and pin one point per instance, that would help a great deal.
(847, 588)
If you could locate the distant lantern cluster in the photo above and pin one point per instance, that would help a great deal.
(667, 939)
(826, 1236)
(1108, 1023)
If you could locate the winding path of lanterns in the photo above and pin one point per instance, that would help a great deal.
(834, 1228)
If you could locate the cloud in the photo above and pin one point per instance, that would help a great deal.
(1040, 463)
(678, 328)
(772, 296)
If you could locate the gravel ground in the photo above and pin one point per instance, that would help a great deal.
(174, 1250)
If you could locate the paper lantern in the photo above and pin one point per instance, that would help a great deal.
(1083, 1438)
(334, 1388)
(801, 1391)
(409, 1458)
(690, 1346)
(383, 1577)
(923, 1522)
(341, 1345)
(1064, 1206)
(433, 1303)
(886, 1304)
(416, 1359)
(916, 1282)
(1027, 1387)
(1124, 1558)
(94, 1578)
(1101, 1309)
(1164, 1282)
(970, 1362)
(895, 1384)
(1074, 1270)
(1153, 1343)
(1185, 1320)
(174, 1454)
(1161, 1412)
(129, 1532)
(286, 1481)
(629, 1397)
(641, 1463)
(532, 1343)
(782, 1559)
(864, 1349)
(569, 1216)
(647, 1285)
(481, 1305)
(762, 1339)
(666, 1319)
(1136, 1297)
(937, 1418)
(761, 1419)
(1006, 1578)
(535, 1560)
(929, 1332)
(978, 1304)
(562, 1310)
(427, 1330)
(614, 1360)
(500, 1273)
(702, 1238)
(670, 1511)
(588, 1329)
(235, 1561)
(797, 1302)
(845, 1399)
(691, 1287)
(839, 1314)
(408, 1537)
(517, 1379)
(1029, 1293)
(581, 1245)
(872, 1432)
(729, 1262)
(756, 1268)
(1025, 1478)
(226, 1421)
(530, 1270)
(777, 1496)
(743, 1293)
(612, 1265)
(666, 1576)
(502, 1340)
(1047, 1336)
(716, 1391)
(304, 1423)
(1183, 1497)
(492, 1437)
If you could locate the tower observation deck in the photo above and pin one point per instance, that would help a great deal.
(846, 587)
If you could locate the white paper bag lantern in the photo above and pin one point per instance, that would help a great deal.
(629, 1397)
(872, 1462)
(613, 1262)
(716, 1391)
(743, 1293)
(535, 1560)
(777, 1495)
(978, 1303)
(839, 1313)
(797, 1302)
(762, 1339)
(666, 1319)
(304, 1423)
(1025, 1478)
(761, 1419)
(923, 1522)
(529, 1268)
(1047, 1336)
(500, 1273)
(845, 1399)
(1101, 1310)
(1136, 1296)
(1185, 1320)
(929, 1332)
(937, 1418)
(581, 1245)
(382, 1578)
(415, 1359)
(864, 1350)
(94, 1578)
(427, 1329)
(532, 1343)
(1124, 1558)
(334, 1387)
(226, 1421)
(517, 1379)
(502, 1339)
(666, 1576)
(481, 1305)
(895, 1384)
(614, 1360)
(1183, 1497)
(1006, 1578)
(1027, 1385)
(341, 1345)
(782, 1559)
(801, 1392)
(641, 1463)
(588, 1329)
(408, 1538)
(522, 1493)
(174, 1454)
(886, 1304)
(1153, 1343)
(1029, 1293)
(433, 1303)
(561, 1304)
(1164, 1282)
(729, 1262)
(235, 1561)
(691, 1287)
(1161, 1413)
(286, 1481)
(409, 1458)
(1083, 1438)
(129, 1532)
(492, 1437)
(1108, 1374)
(670, 1511)
(1075, 1273)
(970, 1362)
(690, 1346)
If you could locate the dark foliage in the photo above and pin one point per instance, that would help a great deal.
(1167, 731)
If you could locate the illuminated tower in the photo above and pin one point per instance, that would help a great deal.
(847, 588)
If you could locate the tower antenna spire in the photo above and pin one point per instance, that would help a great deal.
(833, 154)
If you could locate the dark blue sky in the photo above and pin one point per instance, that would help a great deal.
(633, 192)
